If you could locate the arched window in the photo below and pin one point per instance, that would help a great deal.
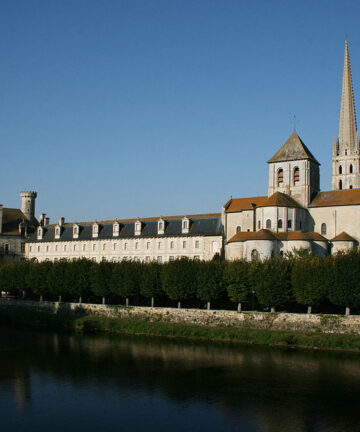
(254, 255)
(323, 229)
(280, 176)
(280, 223)
(345, 152)
(289, 224)
(351, 169)
(238, 229)
(296, 175)
(340, 184)
(340, 169)
(268, 224)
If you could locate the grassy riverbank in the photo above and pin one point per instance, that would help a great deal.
(94, 323)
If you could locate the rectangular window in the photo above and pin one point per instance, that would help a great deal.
(47, 248)
(104, 246)
(171, 245)
(159, 245)
(184, 244)
(22, 247)
(159, 259)
(125, 246)
(147, 259)
(94, 246)
(148, 245)
(84, 247)
(56, 248)
(38, 249)
(115, 246)
(74, 247)
(6, 249)
(136, 245)
(55, 259)
(171, 258)
(289, 223)
(93, 258)
(197, 244)
(64, 248)
(30, 248)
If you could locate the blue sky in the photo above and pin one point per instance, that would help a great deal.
(114, 109)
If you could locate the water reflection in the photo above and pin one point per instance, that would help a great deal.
(155, 384)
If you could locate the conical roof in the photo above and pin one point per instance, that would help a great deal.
(293, 149)
(347, 124)
(343, 237)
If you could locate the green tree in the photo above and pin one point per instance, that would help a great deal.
(209, 280)
(345, 275)
(56, 280)
(178, 279)
(272, 282)
(150, 281)
(100, 277)
(238, 282)
(125, 280)
(309, 280)
(37, 280)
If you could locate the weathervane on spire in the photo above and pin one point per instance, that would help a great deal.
(294, 122)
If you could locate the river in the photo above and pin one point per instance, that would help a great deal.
(59, 382)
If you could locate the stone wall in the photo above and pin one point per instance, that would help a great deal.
(259, 320)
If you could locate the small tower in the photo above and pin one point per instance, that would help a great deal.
(293, 170)
(346, 157)
(28, 205)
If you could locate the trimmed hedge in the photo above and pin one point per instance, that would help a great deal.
(292, 282)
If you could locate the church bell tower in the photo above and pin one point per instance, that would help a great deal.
(346, 157)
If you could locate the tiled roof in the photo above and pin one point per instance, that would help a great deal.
(336, 198)
(202, 225)
(279, 199)
(265, 234)
(293, 149)
(240, 204)
(343, 237)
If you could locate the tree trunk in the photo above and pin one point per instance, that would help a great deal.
(127, 302)
(239, 307)
(59, 299)
(347, 311)
(273, 309)
(309, 310)
(152, 301)
(41, 298)
(179, 305)
(208, 305)
(23, 294)
(103, 300)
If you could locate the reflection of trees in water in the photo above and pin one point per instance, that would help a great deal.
(279, 390)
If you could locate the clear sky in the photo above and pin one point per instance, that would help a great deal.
(114, 109)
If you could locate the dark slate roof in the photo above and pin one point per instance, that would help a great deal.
(11, 219)
(293, 149)
(202, 226)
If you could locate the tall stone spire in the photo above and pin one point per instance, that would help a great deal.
(346, 158)
(348, 137)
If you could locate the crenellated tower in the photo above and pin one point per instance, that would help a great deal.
(346, 157)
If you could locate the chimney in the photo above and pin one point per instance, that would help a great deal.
(42, 219)
(61, 221)
(47, 221)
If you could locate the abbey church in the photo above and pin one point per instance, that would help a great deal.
(294, 214)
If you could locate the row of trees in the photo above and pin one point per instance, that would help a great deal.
(272, 284)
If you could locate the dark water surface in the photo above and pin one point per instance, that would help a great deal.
(58, 382)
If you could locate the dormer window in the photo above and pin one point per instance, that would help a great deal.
(137, 227)
(57, 231)
(185, 225)
(116, 229)
(280, 176)
(76, 230)
(95, 230)
(161, 226)
(40, 233)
